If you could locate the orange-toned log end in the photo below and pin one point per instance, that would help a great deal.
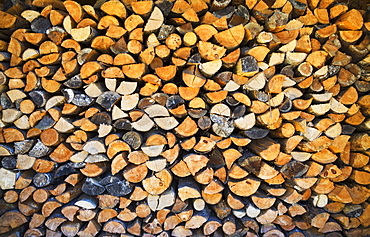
(351, 20)
(89, 68)
(267, 148)
(134, 71)
(11, 196)
(158, 183)
(166, 73)
(245, 187)
(187, 128)
(50, 137)
(7, 20)
(142, 7)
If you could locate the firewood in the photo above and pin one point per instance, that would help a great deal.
(247, 66)
(257, 82)
(158, 183)
(204, 32)
(230, 38)
(180, 169)
(11, 196)
(155, 20)
(337, 10)
(142, 8)
(208, 69)
(351, 20)
(79, 108)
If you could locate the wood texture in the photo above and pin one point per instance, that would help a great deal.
(184, 118)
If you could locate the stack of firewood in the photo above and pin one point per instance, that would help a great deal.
(184, 118)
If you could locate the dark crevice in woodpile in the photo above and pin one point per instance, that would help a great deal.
(184, 118)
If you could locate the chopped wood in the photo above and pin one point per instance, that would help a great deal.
(184, 118)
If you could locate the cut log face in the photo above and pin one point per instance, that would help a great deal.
(184, 118)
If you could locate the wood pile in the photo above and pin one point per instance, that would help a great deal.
(184, 118)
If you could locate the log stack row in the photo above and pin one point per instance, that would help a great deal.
(184, 118)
